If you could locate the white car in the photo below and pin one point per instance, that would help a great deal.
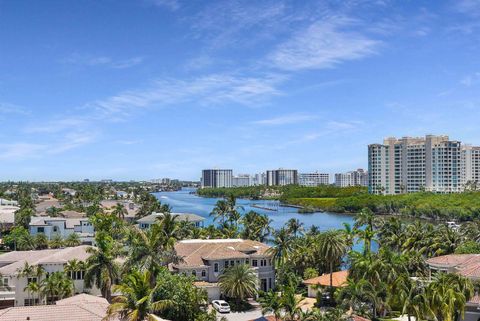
(221, 306)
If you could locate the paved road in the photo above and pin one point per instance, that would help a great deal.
(242, 316)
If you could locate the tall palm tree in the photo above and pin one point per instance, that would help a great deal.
(56, 241)
(271, 302)
(333, 246)
(291, 304)
(448, 294)
(57, 286)
(295, 227)
(220, 211)
(102, 269)
(282, 246)
(149, 250)
(120, 211)
(136, 301)
(33, 289)
(169, 227)
(238, 282)
(255, 226)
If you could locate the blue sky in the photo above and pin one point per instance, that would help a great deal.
(140, 89)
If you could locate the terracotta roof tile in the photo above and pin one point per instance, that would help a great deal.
(339, 279)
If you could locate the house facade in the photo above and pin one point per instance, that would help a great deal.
(12, 291)
(206, 260)
(51, 226)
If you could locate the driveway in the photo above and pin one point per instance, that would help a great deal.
(252, 314)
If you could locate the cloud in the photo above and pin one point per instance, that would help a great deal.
(57, 125)
(90, 61)
(323, 44)
(7, 108)
(469, 7)
(169, 4)
(285, 119)
(17, 151)
(206, 90)
(470, 80)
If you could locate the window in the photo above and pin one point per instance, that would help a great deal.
(254, 263)
(40, 229)
(270, 283)
(215, 267)
(263, 262)
(31, 280)
(247, 261)
(5, 281)
(30, 302)
(232, 263)
(204, 273)
(194, 273)
(226, 264)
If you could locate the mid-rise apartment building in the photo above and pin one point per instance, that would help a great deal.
(412, 164)
(215, 178)
(470, 167)
(313, 179)
(358, 177)
(281, 177)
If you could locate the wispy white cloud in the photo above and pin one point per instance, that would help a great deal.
(285, 120)
(470, 80)
(169, 4)
(469, 7)
(323, 44)
(206, 90)
(90, 60)
(21, 150)
(7, 108)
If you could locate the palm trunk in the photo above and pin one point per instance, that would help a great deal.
(331, 281)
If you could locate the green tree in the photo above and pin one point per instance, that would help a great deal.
(333, 247)
(271, 302)
(56, 241)
(282, 246)
(238, 282)
(136, 301)
(102, 269)
(72, 240)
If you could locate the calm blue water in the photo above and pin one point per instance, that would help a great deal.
(184, 202)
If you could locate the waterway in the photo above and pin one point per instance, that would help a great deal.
(184, 201)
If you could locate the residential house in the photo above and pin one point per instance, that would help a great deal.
(467, 265)
(81, 307)
(206, 260)
(7, 216)
(52, 226)
(12, 292)
(5, 202)
(146, 221)
(339, 279)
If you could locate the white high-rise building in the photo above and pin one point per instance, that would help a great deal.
(413, 164)
(241, 180)
(281, 177)
(353, 178)
(313, 179)
(470, 167)
(259, 179)
(215, 178)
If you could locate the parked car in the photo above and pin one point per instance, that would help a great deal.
(221, 306)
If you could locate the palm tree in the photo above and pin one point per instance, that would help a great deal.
(102, 269)
(169, 227)
(255, 226)
(33, 288)
(56, 241)
(238, 282)
(72, 240)
(291, 303)
(41, 241)
(149, 250)
(57, 286)
(220, 211)
(448, 294)
(271, 303)
(282, 246)
(73, 267)
(120, 211)
(136, 302)
(295, 227)
(352, 295)
(333, 247)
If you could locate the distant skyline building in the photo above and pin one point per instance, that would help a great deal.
(215, 178)
(430, 163)
(242, 180)
(281, 177)
(358, 177)
(314, 179)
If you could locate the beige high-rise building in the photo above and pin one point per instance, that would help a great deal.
(470, 167)
(412, 164)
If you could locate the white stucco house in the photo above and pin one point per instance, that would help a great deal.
(146, 221)
(12, 291)
(52, 226)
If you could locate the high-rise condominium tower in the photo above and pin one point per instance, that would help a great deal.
(217, 178)
(412, 164)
